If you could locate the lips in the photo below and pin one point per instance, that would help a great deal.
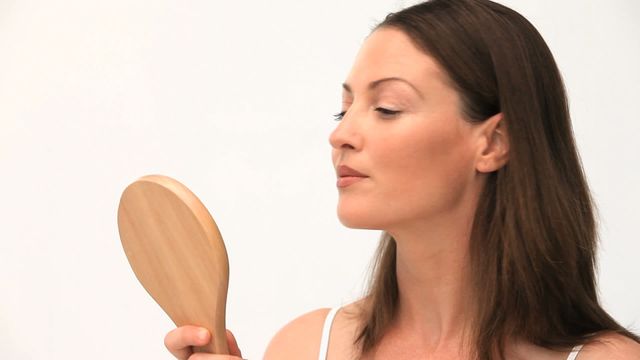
(348, 176)
(344, 170)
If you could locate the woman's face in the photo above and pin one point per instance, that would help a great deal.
(419, 162)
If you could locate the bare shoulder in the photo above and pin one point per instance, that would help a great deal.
(611, 346)
(299, 339)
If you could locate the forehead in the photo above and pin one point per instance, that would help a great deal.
(389, 52)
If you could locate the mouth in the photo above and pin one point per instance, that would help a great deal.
(345, 171)
(348, 176)
(345, 181)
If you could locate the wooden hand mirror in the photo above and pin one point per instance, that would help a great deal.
(177, 253)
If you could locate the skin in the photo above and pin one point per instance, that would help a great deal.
(425, 167)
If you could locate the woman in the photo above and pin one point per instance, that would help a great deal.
(455, 140)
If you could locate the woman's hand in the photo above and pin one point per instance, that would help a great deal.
(180, 340)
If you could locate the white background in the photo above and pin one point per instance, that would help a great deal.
(235, 100)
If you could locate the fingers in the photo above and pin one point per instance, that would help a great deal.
(233, 344)
(180, 340)
(203, 356)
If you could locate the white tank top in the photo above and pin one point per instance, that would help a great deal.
(326, 330)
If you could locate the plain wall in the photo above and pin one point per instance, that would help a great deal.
(235, 99)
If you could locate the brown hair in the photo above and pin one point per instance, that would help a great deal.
(533, 243)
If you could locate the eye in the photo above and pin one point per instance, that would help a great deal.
(339, 116)
(383, 111)
(387, 112)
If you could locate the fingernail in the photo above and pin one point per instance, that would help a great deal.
(202, 334)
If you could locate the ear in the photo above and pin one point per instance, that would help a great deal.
(493, 150)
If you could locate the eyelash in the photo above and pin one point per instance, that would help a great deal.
(383, 111)
(338, 116)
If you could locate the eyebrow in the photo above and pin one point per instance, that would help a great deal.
(376, 83)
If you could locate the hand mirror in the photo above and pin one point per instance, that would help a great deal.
(176, 251)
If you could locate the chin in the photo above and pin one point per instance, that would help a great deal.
(357, 218)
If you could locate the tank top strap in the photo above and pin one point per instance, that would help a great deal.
(326, 330)
(574, 352)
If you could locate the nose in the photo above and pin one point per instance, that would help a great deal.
(347, 135)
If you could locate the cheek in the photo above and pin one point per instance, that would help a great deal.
(427, 172)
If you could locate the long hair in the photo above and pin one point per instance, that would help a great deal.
(533, 241)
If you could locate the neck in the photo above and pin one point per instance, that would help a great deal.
(434, 289)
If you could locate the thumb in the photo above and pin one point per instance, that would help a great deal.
(233, 345)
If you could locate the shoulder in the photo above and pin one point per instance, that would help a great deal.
(611, 346)
(299, 339)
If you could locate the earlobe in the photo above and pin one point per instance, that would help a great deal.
(494, 153)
